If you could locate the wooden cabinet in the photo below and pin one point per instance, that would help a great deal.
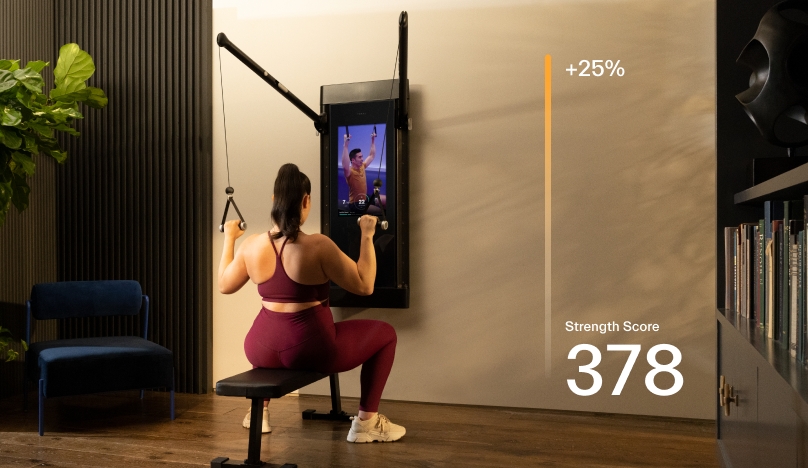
(766, 427)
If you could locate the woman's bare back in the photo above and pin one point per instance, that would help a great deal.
(300, 259)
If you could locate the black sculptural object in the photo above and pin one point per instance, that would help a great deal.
(777, 98)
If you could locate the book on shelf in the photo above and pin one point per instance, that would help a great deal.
(730, 257)
(770, 299)
(760, 318)
(801, 299)
(794, 273)
(777, 313)
(766, 280)
(772, 211)
(792, 222)
(755, 275)
(746, 277)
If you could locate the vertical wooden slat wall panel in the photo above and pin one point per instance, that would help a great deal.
(27, 239)
(134, 199)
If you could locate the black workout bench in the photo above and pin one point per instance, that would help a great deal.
(260, 384)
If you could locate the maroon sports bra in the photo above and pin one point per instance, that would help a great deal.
(281, 288)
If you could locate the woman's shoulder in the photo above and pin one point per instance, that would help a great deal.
(315, 239)
(254, 239)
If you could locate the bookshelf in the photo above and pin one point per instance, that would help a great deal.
(768, 426)
(791, 185)
(767, 421)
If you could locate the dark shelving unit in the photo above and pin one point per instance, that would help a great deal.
(768, 426)
(791, 185)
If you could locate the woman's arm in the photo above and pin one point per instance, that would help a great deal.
(232, 268)
(356, 277)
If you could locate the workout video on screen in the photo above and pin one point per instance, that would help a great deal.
(362, 168)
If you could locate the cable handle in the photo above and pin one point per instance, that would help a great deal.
(382, 224)
(243, 224)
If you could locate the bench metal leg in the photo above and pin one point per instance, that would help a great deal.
(254, 448)
(223, 462)
(256, 415)
(336, 413)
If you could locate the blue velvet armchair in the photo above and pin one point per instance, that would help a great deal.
(100, 364)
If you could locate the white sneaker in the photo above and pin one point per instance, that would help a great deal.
(377, 429)
(265, 429)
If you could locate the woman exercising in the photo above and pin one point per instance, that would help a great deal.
(295, 329)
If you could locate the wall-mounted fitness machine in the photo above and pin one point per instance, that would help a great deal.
(364, 158)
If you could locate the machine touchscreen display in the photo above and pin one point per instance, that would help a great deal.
(361, 163)
(363, 179)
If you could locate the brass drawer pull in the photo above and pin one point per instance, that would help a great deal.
(726, 395)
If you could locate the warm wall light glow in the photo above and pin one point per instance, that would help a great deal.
(255, 9)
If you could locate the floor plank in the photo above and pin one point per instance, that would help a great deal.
(119, 429)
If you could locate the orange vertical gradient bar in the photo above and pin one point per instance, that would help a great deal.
(548, 124)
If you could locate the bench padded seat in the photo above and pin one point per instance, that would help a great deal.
(266, 383)
(89, 365)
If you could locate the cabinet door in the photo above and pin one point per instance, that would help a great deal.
(738, 433)
(777, 421)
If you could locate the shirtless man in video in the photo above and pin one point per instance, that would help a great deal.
(354, 165)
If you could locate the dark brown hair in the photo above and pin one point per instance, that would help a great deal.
(291, 186)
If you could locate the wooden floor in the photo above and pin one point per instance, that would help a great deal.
(120, 430)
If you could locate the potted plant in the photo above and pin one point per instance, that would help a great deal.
(29, 118)
(7, 352)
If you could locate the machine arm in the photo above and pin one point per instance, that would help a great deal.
(320, 120)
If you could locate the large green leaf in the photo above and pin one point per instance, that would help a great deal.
(10, 117)
(73, 67)
(93, 97)
(30, 79)
(41, 128)
(10, 138)
(67, 89)
(37, 65)
(54, 152)
(96, 99)
(67, 129)
(7, 80)
(62, 113)
(30, 143)
(24, 161)
(28, 98)
(9, 65)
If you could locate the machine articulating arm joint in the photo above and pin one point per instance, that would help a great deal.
(320, 120)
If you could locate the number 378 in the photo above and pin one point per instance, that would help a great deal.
(634, 351)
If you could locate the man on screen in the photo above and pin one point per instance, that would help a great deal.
(354, 166)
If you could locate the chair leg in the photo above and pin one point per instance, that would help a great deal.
(172, 404)
(41, 407)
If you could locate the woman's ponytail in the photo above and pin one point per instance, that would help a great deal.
(291, 186)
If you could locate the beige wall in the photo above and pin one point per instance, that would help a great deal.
(632, 187)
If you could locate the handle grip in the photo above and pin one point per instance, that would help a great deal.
(382, 224)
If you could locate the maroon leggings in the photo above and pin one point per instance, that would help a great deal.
(310, 340)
